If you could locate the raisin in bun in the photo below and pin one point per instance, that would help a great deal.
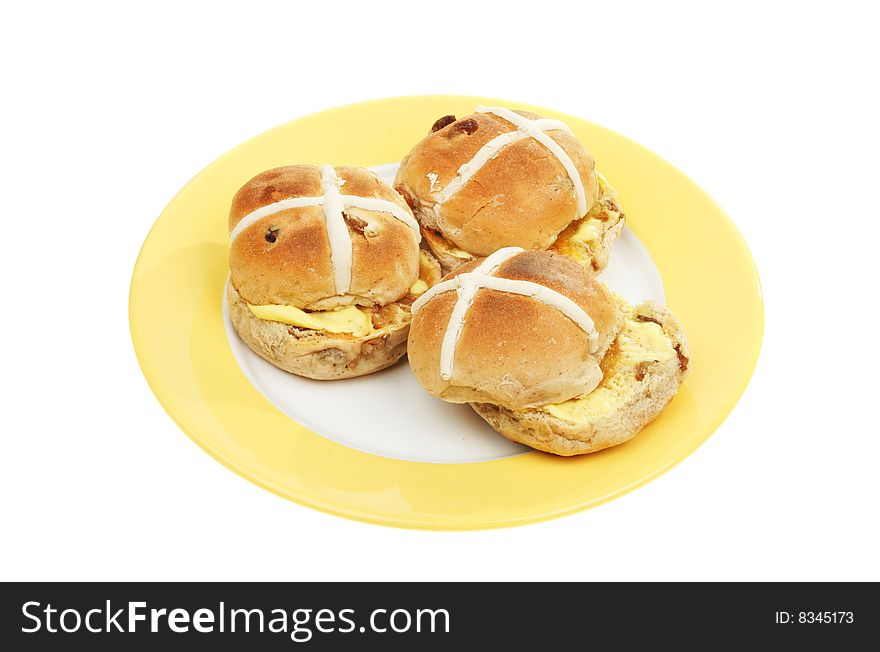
(545, 353)
(324, 263)
(499, 178)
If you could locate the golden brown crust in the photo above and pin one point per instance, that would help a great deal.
(642, 391)
(272, 186)
(317, 354)
(515, 350)
(285, 258)
(523, 197)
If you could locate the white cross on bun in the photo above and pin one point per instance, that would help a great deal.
(324, 263)
(499, 178)
(524, 360)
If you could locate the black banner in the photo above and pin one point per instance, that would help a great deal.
(331, 616)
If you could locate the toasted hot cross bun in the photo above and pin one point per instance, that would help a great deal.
(520, 329)
(324, 263)
(545, 353)
(499, 178)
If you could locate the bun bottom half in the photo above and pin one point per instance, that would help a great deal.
(634, 391)
(318, 354)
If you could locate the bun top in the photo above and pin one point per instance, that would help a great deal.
(499, 178)
(517, 329)
(317, 238)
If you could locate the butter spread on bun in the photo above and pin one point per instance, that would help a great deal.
(324, 265)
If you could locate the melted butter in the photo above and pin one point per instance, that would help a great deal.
(586, 231)
(644, 341)
(577, 240)
(580, 238)
(427, 266)
(418, 288)
(638, 342)
(346, 320)
(597, 403)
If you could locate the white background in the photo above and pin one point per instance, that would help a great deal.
(108, 110)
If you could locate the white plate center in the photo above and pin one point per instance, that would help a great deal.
(388, 413)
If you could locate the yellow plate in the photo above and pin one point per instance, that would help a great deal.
(177, 328)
